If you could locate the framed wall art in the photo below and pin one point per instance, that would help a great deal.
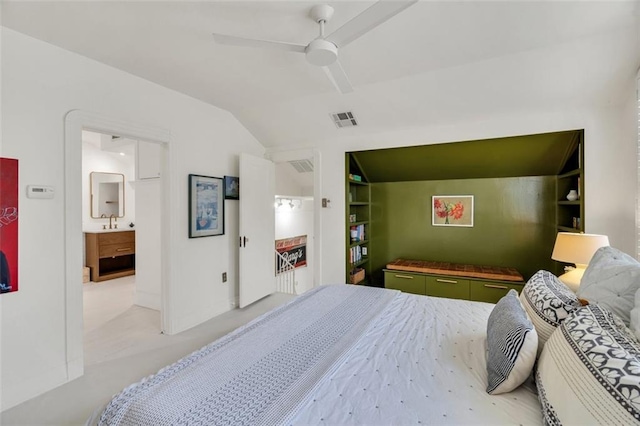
(206, 206)
(231, 188)
(452, 210)
(8, 225)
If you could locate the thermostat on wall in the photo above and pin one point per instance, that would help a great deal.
(40, 191)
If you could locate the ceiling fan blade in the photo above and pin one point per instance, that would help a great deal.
(336, 74)
(367, 20)
(262, 44)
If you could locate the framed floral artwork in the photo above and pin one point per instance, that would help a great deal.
(452, 210)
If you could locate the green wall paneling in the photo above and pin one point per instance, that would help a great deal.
(514, 223)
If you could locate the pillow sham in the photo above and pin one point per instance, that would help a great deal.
(634, 322)
(512, 344)
(589, 371)
(611, 279)
(547, 301)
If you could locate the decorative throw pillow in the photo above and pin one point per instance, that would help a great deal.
(547, 301)
(611, 279)
(634, 322)
(589, 371)
(512, 344)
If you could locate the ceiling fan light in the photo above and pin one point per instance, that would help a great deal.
(321, 52)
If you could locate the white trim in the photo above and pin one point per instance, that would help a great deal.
(74, 122)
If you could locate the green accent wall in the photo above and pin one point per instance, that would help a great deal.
(514, 223)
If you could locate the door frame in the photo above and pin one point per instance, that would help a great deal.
(284, 155)
(74, 122)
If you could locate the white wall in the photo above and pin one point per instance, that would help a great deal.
(294, 222)
(148, 254)
(96, 160)
(610, 166)
(40, 85)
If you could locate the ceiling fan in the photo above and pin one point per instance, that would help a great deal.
(323, 51)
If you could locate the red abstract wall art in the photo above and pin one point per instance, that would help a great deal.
(8, 225)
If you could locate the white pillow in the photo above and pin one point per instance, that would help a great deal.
(634, 323)
(512, 344)
(589, 371)
(547, 301)
(611, 280)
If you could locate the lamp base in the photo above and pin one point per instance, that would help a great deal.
(573, 277)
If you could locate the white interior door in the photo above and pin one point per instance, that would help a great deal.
(257, 229)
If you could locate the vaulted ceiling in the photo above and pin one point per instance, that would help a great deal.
(435, 62)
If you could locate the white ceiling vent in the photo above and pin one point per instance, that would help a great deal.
(302, 166)
(344, 119)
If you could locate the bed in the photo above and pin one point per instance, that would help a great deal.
(338, 354)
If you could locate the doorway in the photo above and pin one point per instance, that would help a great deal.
(75, 122)
(294, 226)
(121, 299)
(298, 220)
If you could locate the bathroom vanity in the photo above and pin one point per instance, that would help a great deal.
(110, 254)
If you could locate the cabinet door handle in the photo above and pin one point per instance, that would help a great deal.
(501, 287)
(124, 249)
(406, 277)
(440, 280)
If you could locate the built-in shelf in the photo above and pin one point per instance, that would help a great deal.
(360, 263)
(358, 214)
(359, 243)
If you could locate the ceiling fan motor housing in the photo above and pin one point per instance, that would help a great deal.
(321, 52)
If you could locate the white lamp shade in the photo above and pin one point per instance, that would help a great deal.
(577, 248)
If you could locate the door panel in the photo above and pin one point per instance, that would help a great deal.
(257, 229)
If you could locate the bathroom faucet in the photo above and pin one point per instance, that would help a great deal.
(116, 221)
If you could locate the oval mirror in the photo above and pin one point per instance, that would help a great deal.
(107, 194)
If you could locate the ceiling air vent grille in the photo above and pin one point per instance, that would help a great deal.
(344, 119)
(302, 166)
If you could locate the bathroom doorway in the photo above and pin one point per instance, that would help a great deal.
(121, 298)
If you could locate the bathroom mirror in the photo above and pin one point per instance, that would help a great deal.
(107, 194)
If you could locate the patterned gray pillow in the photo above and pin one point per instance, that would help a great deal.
(512, 344)
(547, 301)
(589, 371)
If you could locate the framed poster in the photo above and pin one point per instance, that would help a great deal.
(452, 210)
(8, 225)
(231, 188)
(291, 251)
(206, 206)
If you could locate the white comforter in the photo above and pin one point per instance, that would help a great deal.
(422, 362)
(336, 355)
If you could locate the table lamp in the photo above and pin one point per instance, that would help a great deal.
(576, 248)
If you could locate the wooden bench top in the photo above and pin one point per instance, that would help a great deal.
(456, 269)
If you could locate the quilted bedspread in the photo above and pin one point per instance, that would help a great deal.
(259, 373)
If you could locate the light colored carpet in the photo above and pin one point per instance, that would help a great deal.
(123, 344)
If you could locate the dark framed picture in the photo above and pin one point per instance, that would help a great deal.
(206, 206)
(231, 188)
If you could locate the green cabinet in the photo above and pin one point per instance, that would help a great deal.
(490, 291)
(405, 282)
(445, 286)
(451, 287)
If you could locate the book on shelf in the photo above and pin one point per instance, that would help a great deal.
(355, 254)
(357, 233)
